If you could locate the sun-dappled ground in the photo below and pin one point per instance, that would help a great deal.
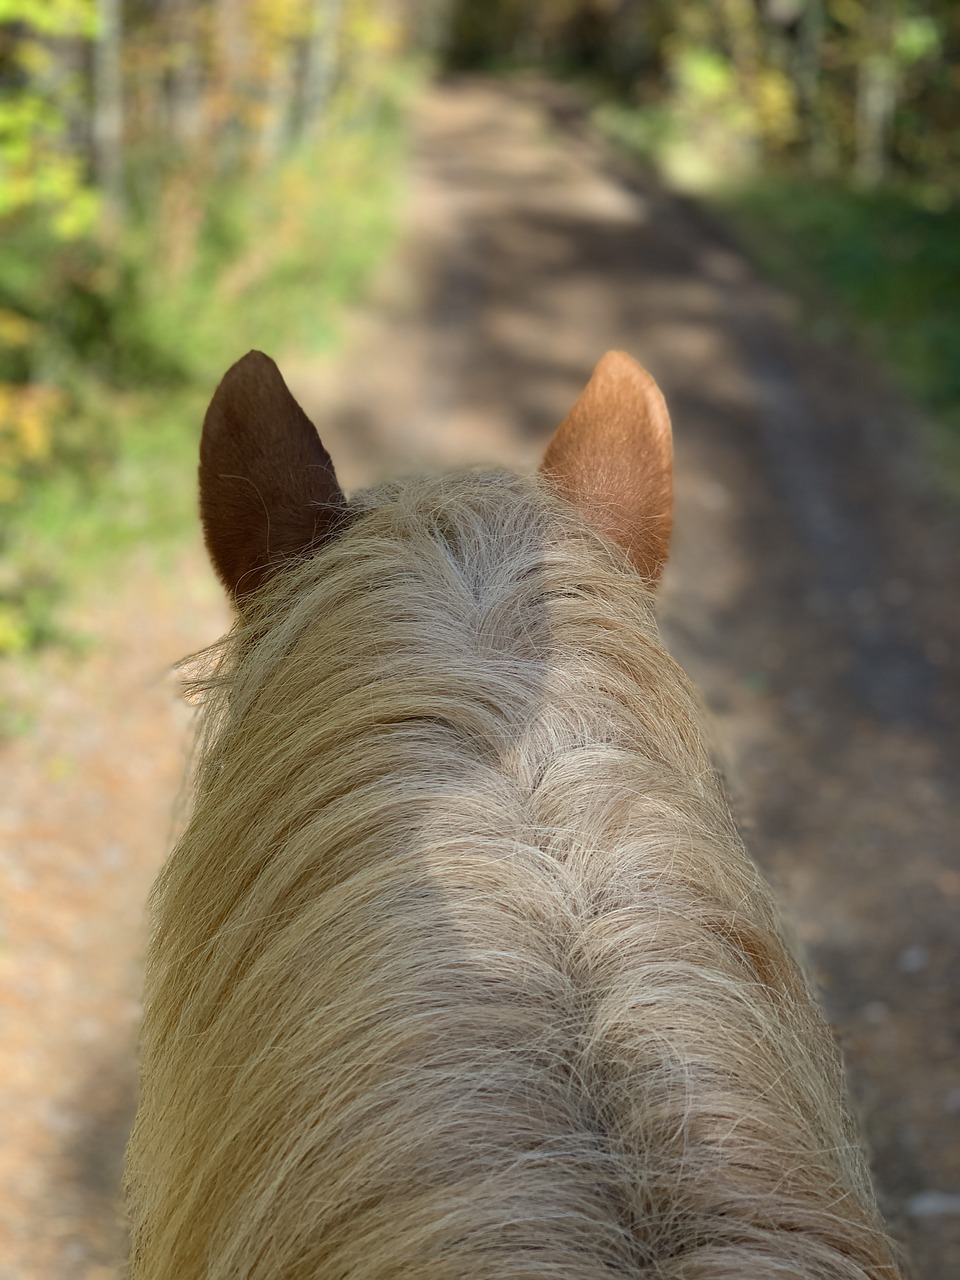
(811, 594)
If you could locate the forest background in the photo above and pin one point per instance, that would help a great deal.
(183, 179)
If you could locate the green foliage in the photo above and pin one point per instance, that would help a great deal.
(277, 257)
(915, 39)
(51, 17)
(112, 338)
(880, 261)
(97, 466)
(38, 169)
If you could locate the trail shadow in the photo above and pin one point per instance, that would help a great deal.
(88, 1178)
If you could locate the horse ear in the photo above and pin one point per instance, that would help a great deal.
(612, 458)
(268, 492)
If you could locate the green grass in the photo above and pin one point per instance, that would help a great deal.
(891, 266)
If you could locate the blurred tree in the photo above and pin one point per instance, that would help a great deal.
(320, 43)
(84, 81)
(107, 123)
(866, 87)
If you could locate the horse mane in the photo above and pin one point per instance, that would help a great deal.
(460, 970)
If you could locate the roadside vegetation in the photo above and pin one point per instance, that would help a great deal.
(178, 182)
(879, 263)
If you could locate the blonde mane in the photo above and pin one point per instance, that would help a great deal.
(460, 970)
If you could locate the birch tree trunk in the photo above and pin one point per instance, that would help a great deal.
(877, 85)
(430, 25)
(822, 147)
(232, 40)
(107, 131)
(320, 62)
(876, 103)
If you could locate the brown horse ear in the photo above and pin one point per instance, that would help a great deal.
(268, 492)
(612, 458)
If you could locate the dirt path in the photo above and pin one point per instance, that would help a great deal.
(808, 595)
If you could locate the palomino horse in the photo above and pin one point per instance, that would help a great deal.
(460, 970)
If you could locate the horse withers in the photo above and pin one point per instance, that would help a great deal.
(460, 970)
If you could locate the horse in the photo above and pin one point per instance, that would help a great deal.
(460, 970)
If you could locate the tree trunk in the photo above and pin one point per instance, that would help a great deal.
(108, 109)
(230, 96)
(822, 154)
(320, 62)
(876, 103)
